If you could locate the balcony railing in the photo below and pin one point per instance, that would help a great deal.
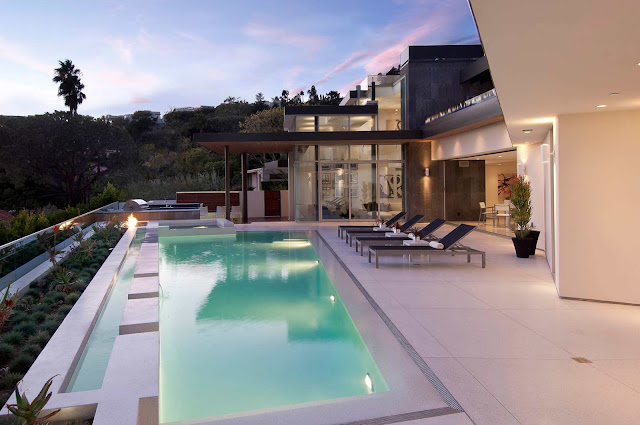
(473, 101)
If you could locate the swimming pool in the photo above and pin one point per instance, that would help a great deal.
(91, 368)
(252, 321)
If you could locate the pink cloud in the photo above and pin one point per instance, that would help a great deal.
(270, 34)
(139, 100)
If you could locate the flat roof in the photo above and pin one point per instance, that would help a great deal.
(332, 110)
(285, 141)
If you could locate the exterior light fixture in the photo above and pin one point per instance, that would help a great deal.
(499, 156)
(332, 298)
(426, 172)
(368, 382)
(545, 153)
(614, 93)
(601, 106)
(522, 169)
(527, 131)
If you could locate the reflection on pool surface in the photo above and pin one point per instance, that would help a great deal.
(252, 321)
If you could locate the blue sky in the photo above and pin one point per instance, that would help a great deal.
(162, 54)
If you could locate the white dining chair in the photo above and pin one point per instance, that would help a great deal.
(484, 212)
(502, 211)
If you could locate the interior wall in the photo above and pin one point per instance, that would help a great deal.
(598, 203)
(492, 175)
(534, 170)
(490, 138)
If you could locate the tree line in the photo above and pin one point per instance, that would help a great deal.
(62, 159)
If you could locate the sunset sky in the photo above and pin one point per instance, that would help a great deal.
(164, 54)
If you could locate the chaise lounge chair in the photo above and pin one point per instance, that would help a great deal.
(448, 245)
(393, 220)
(426, 233)
(362, 232)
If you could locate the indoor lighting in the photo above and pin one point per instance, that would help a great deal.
(527, 131)
(132, 221)
(601, 106)
(368, 382)
(332, 298)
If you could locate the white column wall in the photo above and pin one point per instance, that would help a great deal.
(486, 139)
(529, 157)
(597, 189)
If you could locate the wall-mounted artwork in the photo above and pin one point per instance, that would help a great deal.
(391, 186)
(504, 185)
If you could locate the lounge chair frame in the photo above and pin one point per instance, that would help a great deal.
(455, 248)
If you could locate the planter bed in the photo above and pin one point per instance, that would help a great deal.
(44, 306)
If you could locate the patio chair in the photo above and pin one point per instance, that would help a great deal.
(426, 233)
(485, 211)
(448, 245)
(236, 212)
(221, 212)
(393, 220)
(361, 232)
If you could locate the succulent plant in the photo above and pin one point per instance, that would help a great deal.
(29, 411)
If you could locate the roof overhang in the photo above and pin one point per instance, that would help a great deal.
(285, 142)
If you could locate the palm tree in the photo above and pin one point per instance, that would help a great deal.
(70, 87)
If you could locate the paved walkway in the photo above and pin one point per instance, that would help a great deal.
(501, 339)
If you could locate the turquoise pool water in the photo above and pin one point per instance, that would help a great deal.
(253, 321)
(92, 366)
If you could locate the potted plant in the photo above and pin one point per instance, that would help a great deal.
(521, 216)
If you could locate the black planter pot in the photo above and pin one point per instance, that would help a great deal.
(534, 234)
(523, 246)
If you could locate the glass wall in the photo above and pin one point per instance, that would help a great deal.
(358, 182)
(306, 191)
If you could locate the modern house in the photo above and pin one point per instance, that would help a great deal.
(430, 137)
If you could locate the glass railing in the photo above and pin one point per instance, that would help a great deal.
(473, 101)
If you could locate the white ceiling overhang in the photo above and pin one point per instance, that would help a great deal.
(550, 57)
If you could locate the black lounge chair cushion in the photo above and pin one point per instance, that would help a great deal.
(448, 241)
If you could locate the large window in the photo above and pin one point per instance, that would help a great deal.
(358, 182)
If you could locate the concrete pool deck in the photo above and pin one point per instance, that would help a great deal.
(500, 339)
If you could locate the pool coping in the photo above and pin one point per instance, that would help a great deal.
(371, 409)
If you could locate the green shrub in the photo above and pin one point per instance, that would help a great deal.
(18, 316)
(43, 307)
(31, 349)
(26, 328)
(65, 309)
(33, 293)
(39, 316)
(9, 382)
(40, 338)
(21, 363)
(7, 352)
(51, 323)
(71, 298)
(13, 338)
(56, 296)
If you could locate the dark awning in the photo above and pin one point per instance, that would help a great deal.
(285, 141)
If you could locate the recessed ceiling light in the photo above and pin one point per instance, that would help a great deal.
(601, 106)
(527, 131)
(614, 93)
(499, 156)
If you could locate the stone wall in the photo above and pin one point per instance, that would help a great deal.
(424, 195)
